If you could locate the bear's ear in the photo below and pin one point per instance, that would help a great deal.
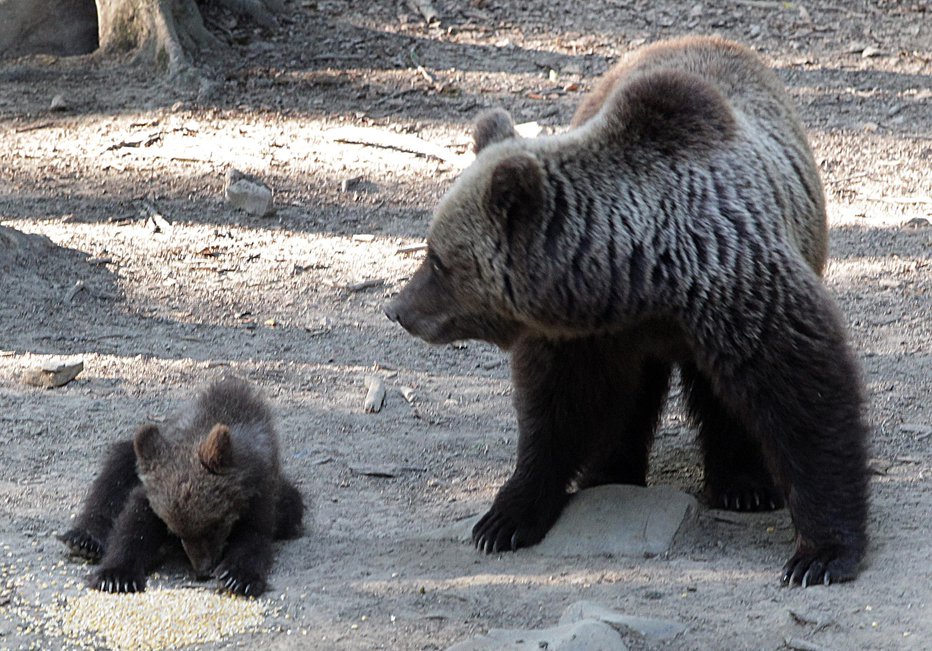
(148, 444)
(669, 110)
(516, 190)
(491, 127)
(215, 452)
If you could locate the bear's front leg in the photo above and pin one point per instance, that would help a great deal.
(799, 394)
(247, 560)
(562, 414)
(104, 503)
(132, 547)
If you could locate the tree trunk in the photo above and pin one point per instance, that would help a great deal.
(160, 31)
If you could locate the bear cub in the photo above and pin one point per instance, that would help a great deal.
(211, 482)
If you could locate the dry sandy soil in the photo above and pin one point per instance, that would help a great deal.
(164, 310)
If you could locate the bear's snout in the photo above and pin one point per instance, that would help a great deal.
(391, 311)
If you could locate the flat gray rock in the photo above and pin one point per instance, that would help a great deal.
(611, 520)
(587, 635)
(655, 630)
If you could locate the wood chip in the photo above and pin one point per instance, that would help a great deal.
(411, 248)
(78, 287)
(50, 377)
(375, 394)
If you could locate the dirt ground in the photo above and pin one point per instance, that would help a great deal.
(163, 308)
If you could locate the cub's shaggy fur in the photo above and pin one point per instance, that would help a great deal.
(212, 482)
(681, 221)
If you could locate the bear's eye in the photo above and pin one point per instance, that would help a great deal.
(436, 264)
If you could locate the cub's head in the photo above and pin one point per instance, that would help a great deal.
(466, 287)
(196, 490)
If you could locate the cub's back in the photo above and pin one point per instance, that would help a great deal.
(234, 403)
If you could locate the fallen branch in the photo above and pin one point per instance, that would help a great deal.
(901, 200)
(397, 141)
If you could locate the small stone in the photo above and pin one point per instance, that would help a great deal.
(348, 185)
(59, 103)
(248, 193)
(870, 51)
(52, 376)
(917, 223)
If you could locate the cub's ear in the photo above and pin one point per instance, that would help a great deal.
(516, 190)
(149, 444)
(216, 451)
(492, 126)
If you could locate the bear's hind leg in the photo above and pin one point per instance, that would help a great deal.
(289, 512)
(561, 394)
(736, 474)
(632, 413)
(103, 504)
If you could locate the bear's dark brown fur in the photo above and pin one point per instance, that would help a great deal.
(211, 482)
(680, 222)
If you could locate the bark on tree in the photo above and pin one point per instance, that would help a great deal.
(166, 31)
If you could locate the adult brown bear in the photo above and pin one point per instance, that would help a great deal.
(681, 221)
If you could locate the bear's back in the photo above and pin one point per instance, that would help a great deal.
(761, 107)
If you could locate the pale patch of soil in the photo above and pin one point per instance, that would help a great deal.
(267, 299)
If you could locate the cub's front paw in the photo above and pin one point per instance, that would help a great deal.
(83, 544)
(240, 580)
(117, 580)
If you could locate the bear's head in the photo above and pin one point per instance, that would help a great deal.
(466, 287)
(197, 490)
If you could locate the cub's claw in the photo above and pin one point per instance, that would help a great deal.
(81, 543)
(116, 581)
(240, 582)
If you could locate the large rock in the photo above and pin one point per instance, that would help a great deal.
(612, 520)
(59, 27)
(588, 635)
